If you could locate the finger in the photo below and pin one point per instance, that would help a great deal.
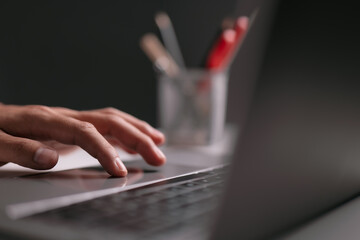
(134, 139)
(45, 124)
(113, 141)
(85, 135)
(157, 136)
(131, 137)
(26, 152)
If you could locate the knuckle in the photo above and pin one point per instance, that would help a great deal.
(82, 130)
(114, 119)
(85, 127)
(40, 109)
(110, 110)
(113, 123)
(35, 113)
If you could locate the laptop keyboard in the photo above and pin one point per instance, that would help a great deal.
(172, 204)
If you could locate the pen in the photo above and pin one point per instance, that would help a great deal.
(228, 44)
(221, 50)
(158, 55)
(241, 27)
(227, 23)
(169, 37)
(219, 54)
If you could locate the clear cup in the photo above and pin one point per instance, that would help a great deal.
(192, 106)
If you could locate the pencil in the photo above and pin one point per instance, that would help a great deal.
(169, 37)
(158, 55)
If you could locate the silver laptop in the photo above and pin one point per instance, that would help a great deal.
(296, 158)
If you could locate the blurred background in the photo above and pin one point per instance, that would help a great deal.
(86, 54)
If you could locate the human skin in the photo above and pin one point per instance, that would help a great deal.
(24, 131)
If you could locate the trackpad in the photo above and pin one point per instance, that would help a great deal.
(96, 178)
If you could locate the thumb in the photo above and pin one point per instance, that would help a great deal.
(26, 152)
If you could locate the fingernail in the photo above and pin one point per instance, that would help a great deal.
(122, 169)
(45, 156)
(159, 153)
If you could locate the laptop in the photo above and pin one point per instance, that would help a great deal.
(295, 158)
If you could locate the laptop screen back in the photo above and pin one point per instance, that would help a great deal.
(298, 154)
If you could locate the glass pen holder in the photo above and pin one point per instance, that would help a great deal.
(192, 106)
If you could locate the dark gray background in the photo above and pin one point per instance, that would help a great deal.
(85, 54)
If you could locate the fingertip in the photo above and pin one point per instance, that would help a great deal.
(159, 138)
(160, 157)
(121, 170)
(159, 162)
(160, 134)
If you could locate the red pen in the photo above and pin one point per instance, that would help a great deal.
(221, 50)
(241, 26)
(225, 48)
(218, 55)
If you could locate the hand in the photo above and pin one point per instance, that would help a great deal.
(22, 128)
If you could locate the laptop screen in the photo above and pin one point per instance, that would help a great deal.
(298, 155)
